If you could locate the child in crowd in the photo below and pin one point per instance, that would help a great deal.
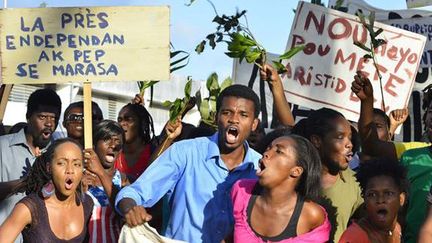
(106, 181)
(279, 206)
(54, 209)
(384, 186)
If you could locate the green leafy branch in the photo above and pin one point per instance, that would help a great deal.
(179, 59)
(374, 43)
(179, 106)
(241, 42)
(207, 106)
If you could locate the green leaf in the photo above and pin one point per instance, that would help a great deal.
(175, 53)
(211, 39)
(200, 47)
(188, 87)
(279, 67)
(198, 97)
(378, 32)
(378, 42)
(362, 46)
(339, 4)
(234, 54)
(253, 55)
(367, 56)
(219, 36)
(204, 109)
(291, 52)
(167, 103)
(227, 82)
(179, 61)
(372, 18)
(212, 82)
(242, 40)
(218, 20)
(190, 3)
(145, 84)
(361, 17)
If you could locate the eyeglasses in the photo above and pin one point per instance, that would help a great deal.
(75, 117)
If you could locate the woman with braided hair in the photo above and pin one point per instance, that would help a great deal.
(54, 209)
(138, 147)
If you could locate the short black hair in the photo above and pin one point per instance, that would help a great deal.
(382, 167)
(97, 114)
(320, 122)
(106, 129)
(380, 112)
(269, 137)
(240, 91)
(44, 97)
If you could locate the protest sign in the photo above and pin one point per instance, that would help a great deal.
(320, 75)
(403, 19)
(422, 26)
(418, 3)
(412, 128)
(54, 45)
(355, 6)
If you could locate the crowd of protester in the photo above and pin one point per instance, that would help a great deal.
(321, 179)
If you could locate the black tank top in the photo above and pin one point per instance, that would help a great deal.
(289, 231)
(40, 230)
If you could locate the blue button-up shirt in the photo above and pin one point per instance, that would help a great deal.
(199, 184)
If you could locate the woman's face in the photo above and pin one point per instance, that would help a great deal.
(335, 147)
(279, 163)
(108, 150)
(382, 201)
(66, 168)
(129, 121)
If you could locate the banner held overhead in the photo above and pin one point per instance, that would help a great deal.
(56, 45)
(322, 73)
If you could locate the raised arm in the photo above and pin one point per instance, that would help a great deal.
(371, 144)
(397, 117)
(282, 107)
(93, 164)
(172, 131)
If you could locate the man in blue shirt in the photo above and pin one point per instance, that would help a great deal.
(199, 174)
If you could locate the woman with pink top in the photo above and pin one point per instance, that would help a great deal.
(278, 207)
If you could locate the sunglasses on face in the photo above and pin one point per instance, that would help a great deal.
(75, 118)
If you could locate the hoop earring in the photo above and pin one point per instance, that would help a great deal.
(48, 189)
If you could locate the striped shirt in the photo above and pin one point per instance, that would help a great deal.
(104, 225)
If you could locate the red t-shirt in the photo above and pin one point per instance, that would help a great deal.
(135, 171)
(354, 233)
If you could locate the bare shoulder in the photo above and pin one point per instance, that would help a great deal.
(15, 223)
(314, 213)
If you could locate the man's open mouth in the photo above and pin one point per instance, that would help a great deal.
(232, 134)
